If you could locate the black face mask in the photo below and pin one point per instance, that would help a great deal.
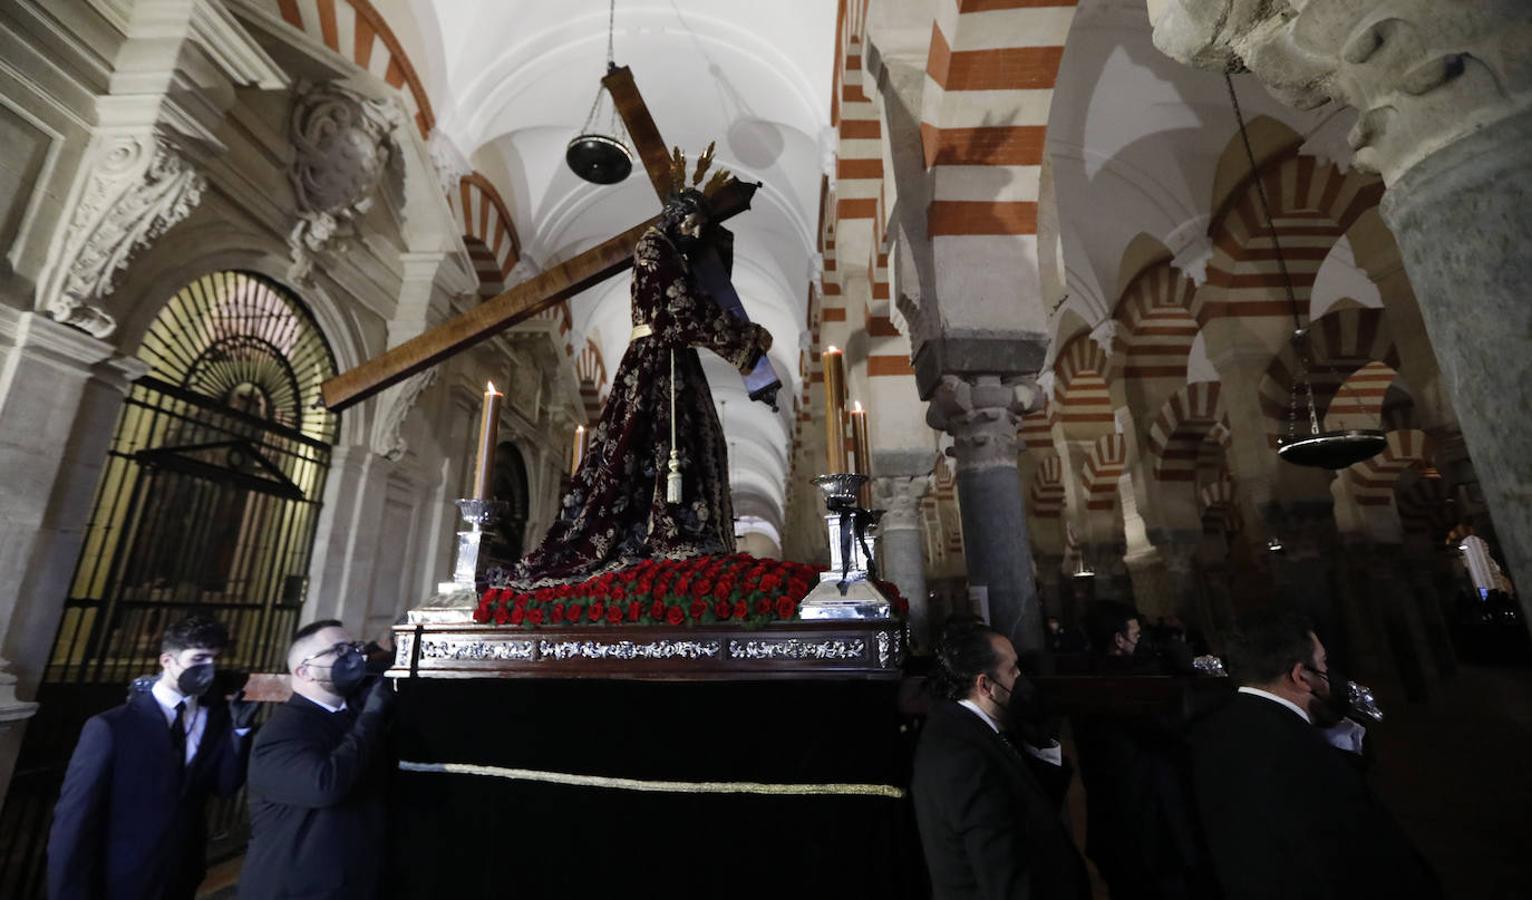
(194, 681)
(348, 673)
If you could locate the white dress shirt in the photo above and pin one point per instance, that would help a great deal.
(193, 721)
(1346, 735)
(1052, 754)
(325, 706)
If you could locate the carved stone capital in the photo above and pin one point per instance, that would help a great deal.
(982, 414)
(394, 407)
(899, 497)
(344, 149)
(139, 186)
(1192, 248)
(450, 163)
(1420, 73)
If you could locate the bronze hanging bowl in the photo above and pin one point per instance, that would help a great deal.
(1332, 449)
(599, 159)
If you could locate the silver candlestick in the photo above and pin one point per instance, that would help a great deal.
(846, 591)
(456, 600)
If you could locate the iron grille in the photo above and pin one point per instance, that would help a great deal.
(207, 502)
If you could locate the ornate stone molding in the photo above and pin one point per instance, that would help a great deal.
(450, 163)
(1421, 73)
(394, 407)
(899, 497)
(344, 149)
(12, 709)
(982, 415)
(1104, 335)
(138, 187)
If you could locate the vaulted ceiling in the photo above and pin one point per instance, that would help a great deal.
(512, 82)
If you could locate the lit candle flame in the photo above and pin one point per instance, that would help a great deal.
(856, 406)
(832, 349)
(579, 429)
(490, 387)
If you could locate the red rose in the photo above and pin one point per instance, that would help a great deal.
(517, 616)
(535, 616)
(723, 609)
(595, 611)
(558, 613)
(698, 610)
(721, 591)
(700, 588)
(674, 616)
(544, 594)
(741, 609)
(683, 585)
(635, 610)
(481, 615)
(564, 590)
(657, 610)
(786, 606)
(501, 616)
(770, 583)
(763, 607)
(797, 588)
(614, 614)
(619, 592)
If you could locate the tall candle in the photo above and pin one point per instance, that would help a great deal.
(863, 450)
(835, 410)
(578, 454)
(489, 430)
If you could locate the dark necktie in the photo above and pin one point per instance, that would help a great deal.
(178, 733)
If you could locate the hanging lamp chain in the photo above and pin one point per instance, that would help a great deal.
(1300, 334)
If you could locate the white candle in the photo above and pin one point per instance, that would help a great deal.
(489, 430)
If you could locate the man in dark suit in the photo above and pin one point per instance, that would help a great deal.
(317, 776)
(1285, 813)
(130, 816)
(1140, 828)
(990, 827)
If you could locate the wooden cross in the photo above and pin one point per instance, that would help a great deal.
(531, 297)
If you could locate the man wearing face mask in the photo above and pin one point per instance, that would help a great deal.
(1284, 812)
(130, 819)
(317, 776)
(990, 827)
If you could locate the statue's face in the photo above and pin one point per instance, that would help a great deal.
(692, 225)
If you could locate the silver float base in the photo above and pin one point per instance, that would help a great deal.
(452, 604)
(862, 600)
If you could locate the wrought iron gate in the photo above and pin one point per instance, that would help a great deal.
(207, 503)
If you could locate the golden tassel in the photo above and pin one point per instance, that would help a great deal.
(673, 480)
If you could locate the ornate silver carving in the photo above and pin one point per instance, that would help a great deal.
(475, 648)
(403, 643)
(797, 648)
(139, 187)
(629, 649)
(883, 643)
(345, 149)
(394, 407)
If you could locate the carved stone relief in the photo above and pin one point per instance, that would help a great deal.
(344, 151)
(139, 186)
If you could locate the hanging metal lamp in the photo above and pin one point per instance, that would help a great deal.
(597, 157)
(1333, 449)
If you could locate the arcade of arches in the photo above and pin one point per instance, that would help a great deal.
(1031, 226)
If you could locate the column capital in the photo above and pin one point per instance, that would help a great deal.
(982, 414)
(899, 497)
(1420, 73)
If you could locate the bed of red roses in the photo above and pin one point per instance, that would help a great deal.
(738, 588)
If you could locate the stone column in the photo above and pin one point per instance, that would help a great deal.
(60, 394)
(1444, 96)
(901, 558)
(982, 413)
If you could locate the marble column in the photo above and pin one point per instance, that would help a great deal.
(901, 558)
(60, 394)
(982, 413)
(1444, 97)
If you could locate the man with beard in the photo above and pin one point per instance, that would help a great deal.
(990, 821)
(1285, 814)
(317, 777)
(131, 816)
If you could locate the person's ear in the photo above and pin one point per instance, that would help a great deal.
(167, 660)
(1296, 674)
